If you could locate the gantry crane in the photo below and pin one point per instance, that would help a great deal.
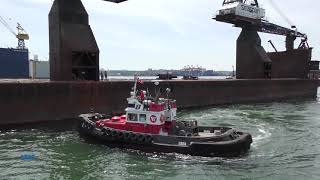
(253, 62)
(22, 35)
(248, 14)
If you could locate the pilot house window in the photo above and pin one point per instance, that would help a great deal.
(131, 105)
(132, 117)
(143, 118)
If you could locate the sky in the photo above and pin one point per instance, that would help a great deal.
(159, 34)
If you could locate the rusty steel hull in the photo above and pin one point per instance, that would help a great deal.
(292, 64)
(253, 62)
(45, 101)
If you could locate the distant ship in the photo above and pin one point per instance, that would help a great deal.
(14, 63)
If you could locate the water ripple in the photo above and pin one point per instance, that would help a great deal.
(285, 146)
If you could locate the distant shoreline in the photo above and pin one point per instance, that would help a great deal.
(197, 73)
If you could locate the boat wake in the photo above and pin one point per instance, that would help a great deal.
(262, 137)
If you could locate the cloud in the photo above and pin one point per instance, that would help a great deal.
(158, 33)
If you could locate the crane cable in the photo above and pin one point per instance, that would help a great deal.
(7, 26)
(276, 7)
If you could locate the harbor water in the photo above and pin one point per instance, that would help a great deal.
(286, 145)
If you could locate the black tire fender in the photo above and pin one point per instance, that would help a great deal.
(83, 124)
(120, 135)
(114, 133)
(89, 126)
(149, 139)
(104, 130)
(108, 131)
(141, 138)
(133, 137)
(126, 135)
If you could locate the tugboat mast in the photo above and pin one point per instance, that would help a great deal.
(135, 86)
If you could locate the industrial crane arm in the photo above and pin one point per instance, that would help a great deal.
(271, 28)
(22, 35)
(7, 26)
(247, 14)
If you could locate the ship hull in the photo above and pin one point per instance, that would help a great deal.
(215, 146)
(49, 101)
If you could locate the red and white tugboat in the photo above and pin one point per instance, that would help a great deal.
(150, 124)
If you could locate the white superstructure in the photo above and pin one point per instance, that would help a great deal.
(39, 69)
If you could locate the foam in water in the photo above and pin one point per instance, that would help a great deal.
(265, 134)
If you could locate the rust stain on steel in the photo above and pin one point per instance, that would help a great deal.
(35, 102)
(253, 62)
(251, 57)
(294, 63)
(74, 53)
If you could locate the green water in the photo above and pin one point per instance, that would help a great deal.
(286, 145)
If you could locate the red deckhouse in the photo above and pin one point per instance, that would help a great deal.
(144, 114)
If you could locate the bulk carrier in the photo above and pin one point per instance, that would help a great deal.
(74, 85)
(14, 63)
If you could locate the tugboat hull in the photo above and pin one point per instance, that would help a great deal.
(231, 143)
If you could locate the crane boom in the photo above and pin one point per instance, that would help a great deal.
(270, 28)
(5, 24)
(22, 35)
(244, 15)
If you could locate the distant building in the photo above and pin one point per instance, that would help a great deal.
(39, 69)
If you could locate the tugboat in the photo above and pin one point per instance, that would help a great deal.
(151, 125)
(166, 76)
